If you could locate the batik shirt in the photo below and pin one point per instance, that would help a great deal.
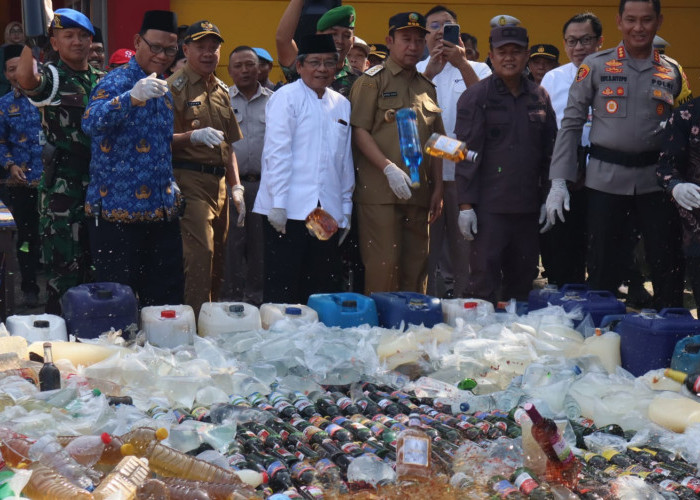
(131, 176)
(21, 137)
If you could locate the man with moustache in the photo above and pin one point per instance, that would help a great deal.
(132, 201)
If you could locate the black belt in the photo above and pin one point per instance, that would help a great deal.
(625, 159)
(250, 178)
(216, 170)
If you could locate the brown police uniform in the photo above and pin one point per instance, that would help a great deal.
(393, 232)
(200, 173)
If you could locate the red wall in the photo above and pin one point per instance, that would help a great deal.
(125, 18)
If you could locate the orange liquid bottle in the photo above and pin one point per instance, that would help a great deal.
(321, 223)
(413, 452)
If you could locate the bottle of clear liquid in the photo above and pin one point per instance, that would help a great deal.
(413, 452)
(409, 143)
(451, 149)
(49, 375)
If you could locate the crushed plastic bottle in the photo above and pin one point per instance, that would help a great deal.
(370, 469)
(124, 480)
(50, 453)
(47, 484)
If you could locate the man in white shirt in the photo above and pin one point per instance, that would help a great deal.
(563, 248)
(306, 163)
(451, 72)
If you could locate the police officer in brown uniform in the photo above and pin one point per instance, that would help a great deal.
(393, 218)
(203, 162)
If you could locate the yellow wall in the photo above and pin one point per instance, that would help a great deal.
(253, 22)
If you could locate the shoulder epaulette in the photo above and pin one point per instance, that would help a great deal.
(222, 84)
(179, 82)
(426, 79)
(670, 60)
(374, 70)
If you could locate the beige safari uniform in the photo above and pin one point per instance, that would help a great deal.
(199, 104)
(393, 233)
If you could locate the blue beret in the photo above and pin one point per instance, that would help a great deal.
(69, 18)
(263, 54)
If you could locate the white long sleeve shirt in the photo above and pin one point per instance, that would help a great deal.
(450, 85)
(557, 83)
(307, 157)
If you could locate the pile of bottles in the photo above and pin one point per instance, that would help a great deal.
(335, 443)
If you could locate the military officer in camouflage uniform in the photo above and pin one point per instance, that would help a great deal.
(632, 90)
(339, 22)
(61, 93)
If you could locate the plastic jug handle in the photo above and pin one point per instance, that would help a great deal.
(675, 311)
(611, 320)
(574, 287)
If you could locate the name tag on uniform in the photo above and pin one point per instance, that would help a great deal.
(194, 103)
(390, 94)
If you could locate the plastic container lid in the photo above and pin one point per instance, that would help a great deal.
(293, 311)
(167, 313)
(104, 294)
(106, 438)
(236, 308)
(41, 323)
(470, 305)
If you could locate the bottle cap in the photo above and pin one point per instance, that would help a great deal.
(106, 438)
(676, 375)
(236, 308)
(96, 392)
(167, 313)
(41, 323)
(127, 449)
(293, 311)
(47, 344)
(161, 433)
(470, 305)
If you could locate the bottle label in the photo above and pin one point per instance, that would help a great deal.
(669, 485)
(343, 402)
(238, 401)
(310, 431)
(504, 488)
(299, 468)
(332, 429)
(692, 482)
(519, 415)
(295, 421)
(313, 491)
(415, 451)
(447, 144)
(300, 404)
(281, 405)
(324, 465)
(414, 422)
(561, 448)
(339, 420)
(263, 434)
(235, 459)
(501, 425)
(525, 483)
(612, 471)
(383, 403)
(200, 413)
(662, 471)
(284, 434)
(362, 404)
(377, 429)
(274, 468)
(608, 454)
(696, 386)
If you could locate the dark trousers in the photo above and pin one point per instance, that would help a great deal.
(609, 219)
(693, 270)
(147, 256)
(563, 247)
(503, 256)
(298, 264)
(24, 203)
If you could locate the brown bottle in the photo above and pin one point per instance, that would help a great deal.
(321, 223)
(49, 376)
(413, 451)
(451, 149)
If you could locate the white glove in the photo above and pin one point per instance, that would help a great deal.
(687, 195)
(557, 201)
(543, 219)
(208, 136)
(149, 88)
(399, 181)
(238, 200)
(467, 223)
(346, 230)
(278, 219)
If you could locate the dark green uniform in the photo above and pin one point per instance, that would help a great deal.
(62, 96)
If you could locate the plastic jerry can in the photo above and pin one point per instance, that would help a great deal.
(168, 326)
(467, 309)
(409, 307)
(539, 298)
(597, 303)
(91, 309)
(686, 355)
(344, 309)
(648, 339)
(272, 313)
(216, 318)
(37, 327)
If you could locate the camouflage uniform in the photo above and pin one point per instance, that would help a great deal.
(342, 81)
(62, 96)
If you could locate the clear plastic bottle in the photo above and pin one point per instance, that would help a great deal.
(413, 452)
(124, 480)
(215, 491)
(15, 451)
(50, 453)
(87, 450)
(111, 452)
(47, 484)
